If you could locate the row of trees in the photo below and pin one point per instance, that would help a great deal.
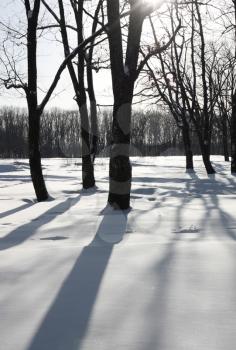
(185, 72)
(196, 80)
(153, 133)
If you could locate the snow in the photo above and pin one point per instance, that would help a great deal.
(75, 274)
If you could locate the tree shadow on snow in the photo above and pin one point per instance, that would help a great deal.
(66, 323)
(208, 191)
(22, 233)
(15, 210)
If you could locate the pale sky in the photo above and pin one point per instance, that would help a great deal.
(50, 55)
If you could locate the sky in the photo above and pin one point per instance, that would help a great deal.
(50, 56)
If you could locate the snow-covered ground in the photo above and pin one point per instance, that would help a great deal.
(162, 276)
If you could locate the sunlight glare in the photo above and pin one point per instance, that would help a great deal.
(153, 3)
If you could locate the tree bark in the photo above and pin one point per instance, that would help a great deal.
(35, 157)
(120, 170)
(91, 92)
(205, 150)
(87, 164)
(225, 138)
(205, 137)
(93, 112)
(32, 102)
(123, 79)
(187, 146)
(88, 180)
(233, 135)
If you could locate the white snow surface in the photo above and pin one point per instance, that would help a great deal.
(77, 275)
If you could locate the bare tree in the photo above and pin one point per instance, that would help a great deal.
(228, 16)
(164, 74)
(78, 83)
(14, 80)
(30, 88)
(233, 118)
(124, 75)
(90, 83)
(222, 82)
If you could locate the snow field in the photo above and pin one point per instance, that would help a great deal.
(75, 274)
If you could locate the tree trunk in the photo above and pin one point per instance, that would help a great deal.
(205, 150)
(233, 135)
(91, 92)
(35, 158)
(187, 147)
(94, 129)
(225, 138)
(120, 171)
(32, 102)
(87, 164)
(93, 110)
(79, 88)
(123, 79)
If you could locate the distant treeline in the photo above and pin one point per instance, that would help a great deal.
(153, 133)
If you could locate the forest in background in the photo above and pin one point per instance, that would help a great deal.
(154, 133)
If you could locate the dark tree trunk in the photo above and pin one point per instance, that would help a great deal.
(91, 93)
(32, 101)
(94, 129)
(120, 171)
(35, 157)
(93, 112)
(233, 135)
(205, 138)
(225, 138)
(205, 150)
(123, 79)
(88, 180)
(187, 146)
(87, 164)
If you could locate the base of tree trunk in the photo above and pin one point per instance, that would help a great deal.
(233, 166)
(119, 201)
(87, 172)
(120, 173)
(227, 158)
(189, 162)
(94, 148)
(187, 146)
(37, 178)
(208, 166)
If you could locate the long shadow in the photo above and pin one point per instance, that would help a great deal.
(212, 188)
(7, 168)
(15, 210)
(22, 233)
(221, 168)
(65, 325)
(214, 204)
(142, 164)
(156, 332)
(225, 218)
(26, 178)
(157, 180)
(23, 178)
